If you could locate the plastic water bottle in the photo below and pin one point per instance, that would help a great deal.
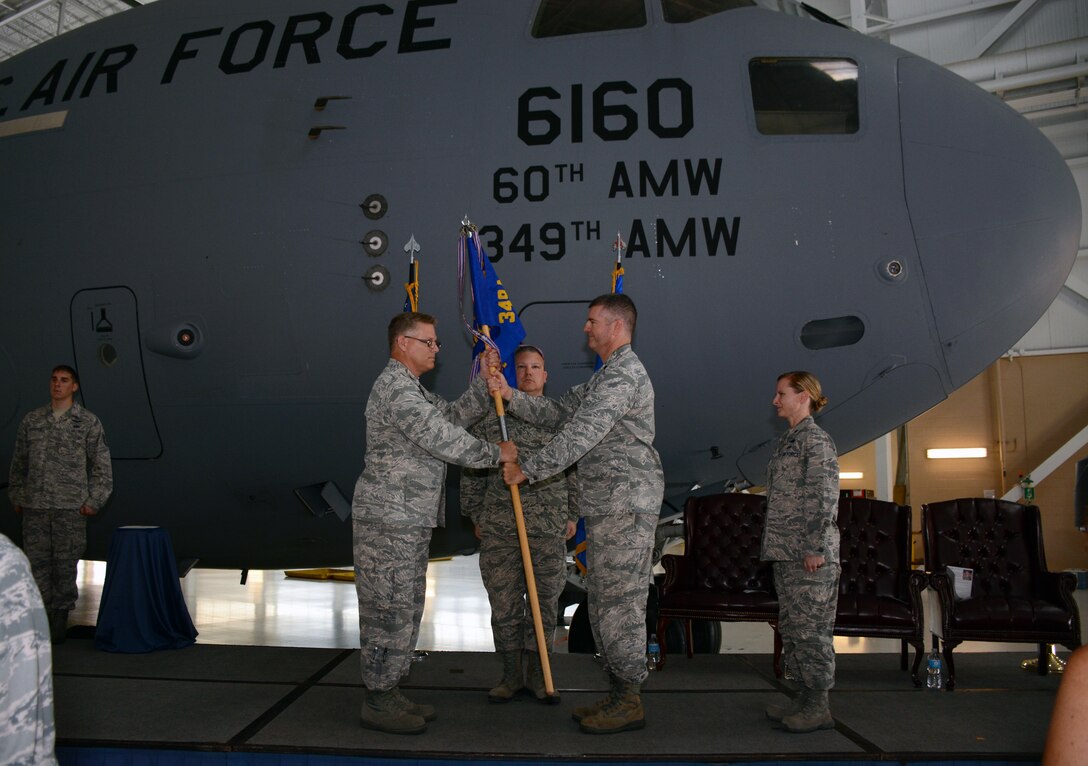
(653, 653)
(934, 671)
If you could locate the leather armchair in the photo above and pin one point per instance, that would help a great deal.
(1014, 597)
(719, 576)
(880, 595)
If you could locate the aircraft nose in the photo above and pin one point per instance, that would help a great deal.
(995, 211)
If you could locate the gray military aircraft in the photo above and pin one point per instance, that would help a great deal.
(204, 205)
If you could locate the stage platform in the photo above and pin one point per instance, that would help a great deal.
(250, 705)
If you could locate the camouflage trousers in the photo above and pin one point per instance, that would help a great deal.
(27, 734)
(391, 584)
(54, 541)
(618, 559)
(504, 579)
(806, 621)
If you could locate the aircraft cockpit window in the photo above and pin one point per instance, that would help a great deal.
(832, 333)
(802, 96)
(575, 17)
(684, 11)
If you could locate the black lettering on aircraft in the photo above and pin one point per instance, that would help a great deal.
(308, 40)
(71, 89)
(412, 22)
(715, 232)
(108, 68)
(698, 173)
(549, 241)
(182, 51)
(347, 33)
(246, 47)
(109, 63)
(227, 64)
(552, 237)
(534, 184)
(670, 112)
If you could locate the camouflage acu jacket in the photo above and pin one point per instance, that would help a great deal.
(411, 434)
(607, 427)
(546, 505)
(60, 463)
(27, 734)
(802, 496)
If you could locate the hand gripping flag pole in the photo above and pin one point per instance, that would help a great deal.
(490, 302)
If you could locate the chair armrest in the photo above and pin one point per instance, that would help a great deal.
(941, 583)
(675, 572)
(916, 583)
(1057, 588)
(1053, 586)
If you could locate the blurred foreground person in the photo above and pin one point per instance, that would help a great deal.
(26, 666)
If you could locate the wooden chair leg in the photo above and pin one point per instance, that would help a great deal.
(777, 662)
(903, 655)
(662, 626)
(919, 650)
(950, 682)
(687, 633)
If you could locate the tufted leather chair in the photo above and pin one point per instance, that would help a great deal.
(880, 595)
(1014, 597)
(719, 576)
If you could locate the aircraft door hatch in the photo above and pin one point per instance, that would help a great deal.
(109, 359)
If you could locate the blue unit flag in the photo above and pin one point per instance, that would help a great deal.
(491, 306)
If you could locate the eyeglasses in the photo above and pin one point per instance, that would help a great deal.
(432, 344)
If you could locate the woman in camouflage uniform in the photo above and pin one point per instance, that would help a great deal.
(801, 539)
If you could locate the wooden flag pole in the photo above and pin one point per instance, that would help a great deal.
(526, 558)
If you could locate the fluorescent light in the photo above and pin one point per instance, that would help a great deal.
(851, 475)
(957, 452)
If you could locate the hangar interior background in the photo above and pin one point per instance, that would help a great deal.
(1030, 408)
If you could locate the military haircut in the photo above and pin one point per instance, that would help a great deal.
(525, 348)
(619, 305)
(69, 370)
(805, 382)
(402, 324)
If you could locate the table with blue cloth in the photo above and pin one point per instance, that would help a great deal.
(142, 607)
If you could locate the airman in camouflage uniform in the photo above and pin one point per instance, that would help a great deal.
(549, 508)
(60, 474)
(801, 538)
(410, 436)
(607, 426)
(26, 666)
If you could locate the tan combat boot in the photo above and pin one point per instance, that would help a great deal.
(814, 713)
(535, 679)
(426, 712)
(621, 713)
(382, 711)
(511, 682)
(587, 710)
(776, 711)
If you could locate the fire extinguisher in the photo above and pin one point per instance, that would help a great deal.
(1028, 487)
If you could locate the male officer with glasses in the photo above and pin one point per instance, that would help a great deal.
(411, 434)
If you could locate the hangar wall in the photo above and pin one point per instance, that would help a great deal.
(1022, 409)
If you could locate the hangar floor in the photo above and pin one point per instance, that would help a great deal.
(273, 679)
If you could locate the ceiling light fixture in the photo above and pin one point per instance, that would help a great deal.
(956, 452)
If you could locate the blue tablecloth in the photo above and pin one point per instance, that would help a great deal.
(142, 607)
